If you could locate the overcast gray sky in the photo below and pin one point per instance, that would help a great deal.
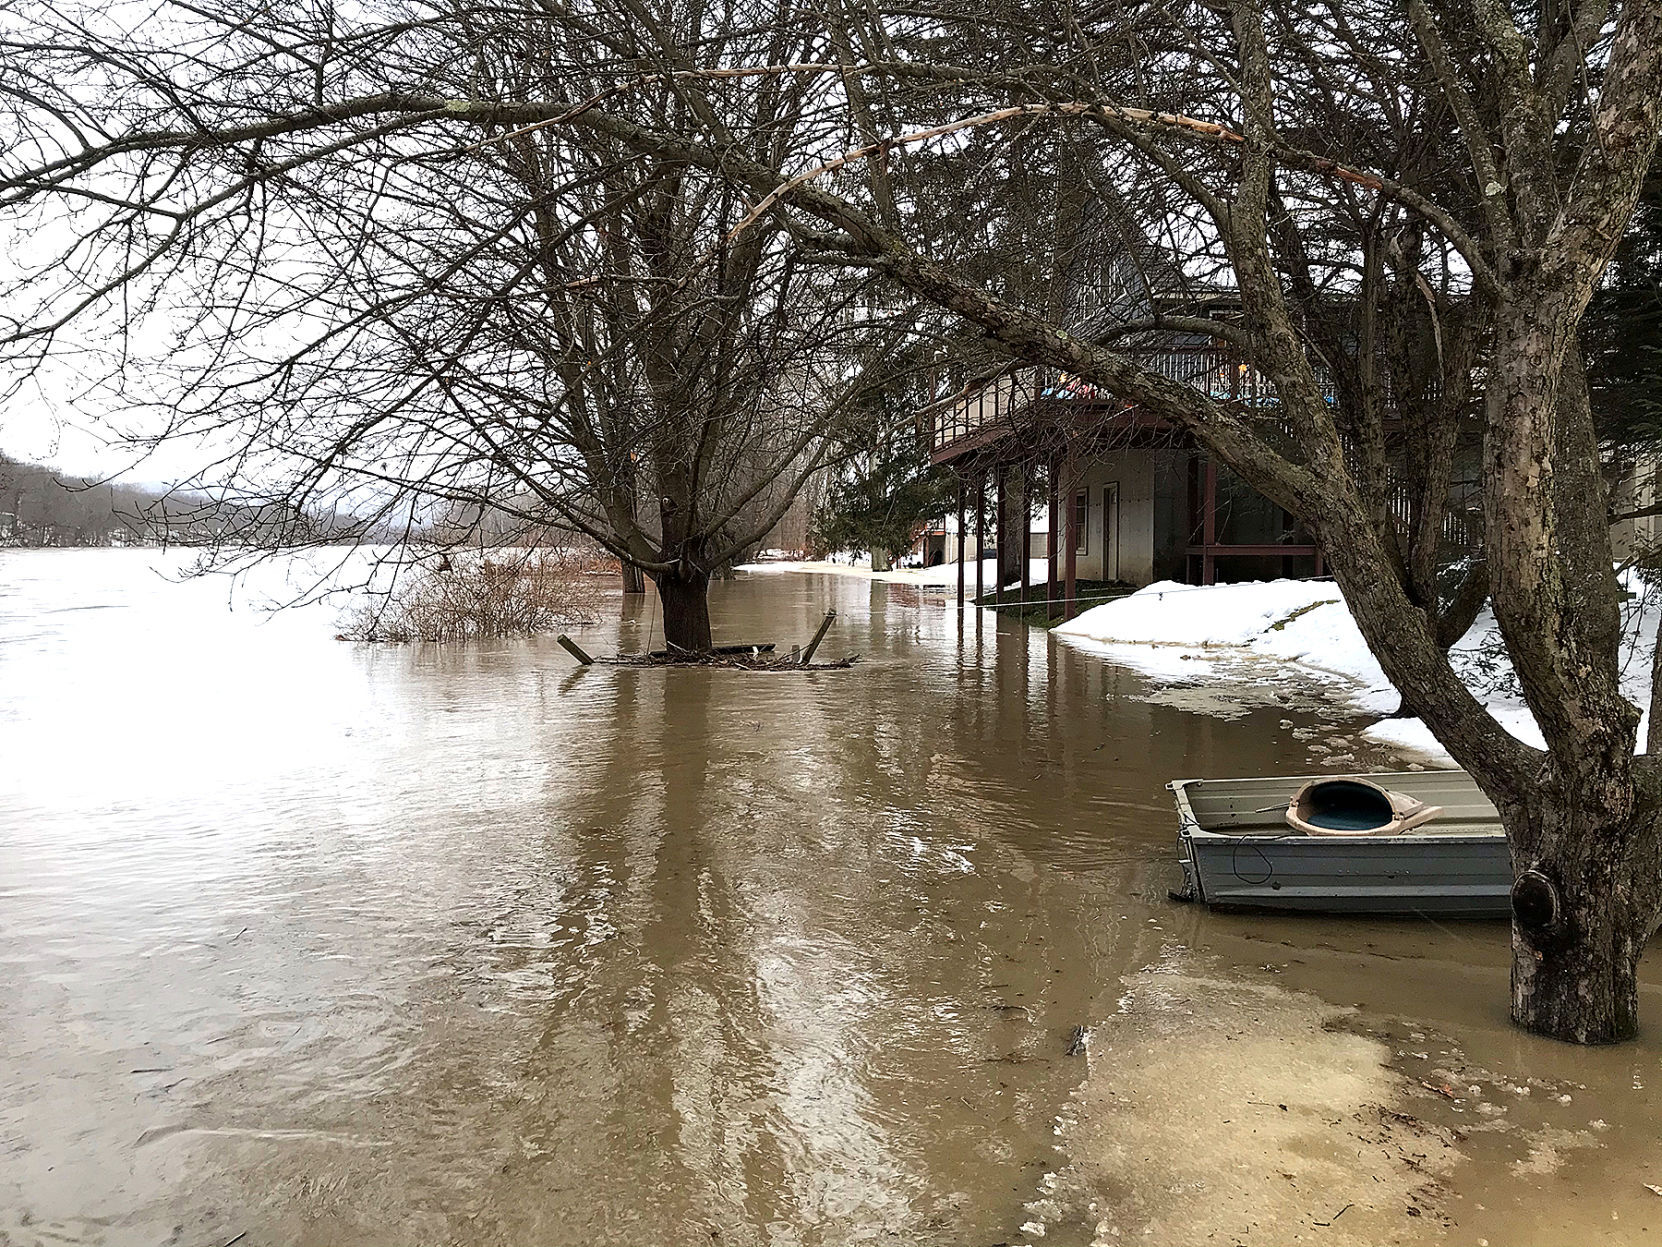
(42, 429)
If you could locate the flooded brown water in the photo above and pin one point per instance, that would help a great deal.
(313, 943)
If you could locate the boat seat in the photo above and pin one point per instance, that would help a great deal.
(1355, 807)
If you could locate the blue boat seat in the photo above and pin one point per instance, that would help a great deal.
(1355, 807)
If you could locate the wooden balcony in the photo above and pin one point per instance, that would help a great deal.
(1028, 402)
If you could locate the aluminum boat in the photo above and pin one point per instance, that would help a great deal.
(1238, 851)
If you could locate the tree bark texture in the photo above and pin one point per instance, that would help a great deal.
(1586, 863)
(685, 598)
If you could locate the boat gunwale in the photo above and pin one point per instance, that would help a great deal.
(1299, 837)
(1189, 825)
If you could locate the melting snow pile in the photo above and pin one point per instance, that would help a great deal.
(1172, 631)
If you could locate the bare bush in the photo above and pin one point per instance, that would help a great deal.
(473, 597)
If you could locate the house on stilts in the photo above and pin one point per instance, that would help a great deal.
(1050, 467)
(1112, 496)
(1105, 492)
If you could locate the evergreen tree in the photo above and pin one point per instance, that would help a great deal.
(882, 497)
(1622, 334)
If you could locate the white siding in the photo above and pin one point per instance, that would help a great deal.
(1132, 558)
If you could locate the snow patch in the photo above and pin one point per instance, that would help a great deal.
(1185, 634)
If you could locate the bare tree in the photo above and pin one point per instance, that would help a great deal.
(1274, 148)
(390, 321)
(1553, 114)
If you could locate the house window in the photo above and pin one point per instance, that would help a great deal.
(1081, 530)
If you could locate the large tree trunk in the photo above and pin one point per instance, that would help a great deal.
(633, 580)
(1585, 865)
(685, 597)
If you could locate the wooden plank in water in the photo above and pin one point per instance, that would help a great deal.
(825, 624)
(761, 647)
(576, 651)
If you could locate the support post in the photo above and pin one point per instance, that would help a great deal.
(1209, 522)
(962, 544)
(980, 527)
(1001, 530)
(576, 651)
(824, 627)
(1026, 514)
(1071, 550)
(1051, 536)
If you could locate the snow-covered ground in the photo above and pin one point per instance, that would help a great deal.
(940, 574)
(1188, 634)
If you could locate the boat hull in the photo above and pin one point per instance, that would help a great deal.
(1464, 877)
(1238, 854)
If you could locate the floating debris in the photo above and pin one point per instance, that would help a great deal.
(757, 656)
(751, 660)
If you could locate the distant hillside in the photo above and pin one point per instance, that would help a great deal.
(40, 507)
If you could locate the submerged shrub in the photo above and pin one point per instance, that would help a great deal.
(505, 593)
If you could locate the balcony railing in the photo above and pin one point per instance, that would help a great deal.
(1011, 400)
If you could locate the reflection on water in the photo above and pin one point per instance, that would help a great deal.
(312, 941)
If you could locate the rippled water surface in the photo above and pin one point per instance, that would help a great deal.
(318, 943)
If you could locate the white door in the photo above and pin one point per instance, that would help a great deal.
(1111, 531)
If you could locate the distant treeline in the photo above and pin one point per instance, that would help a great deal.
(43, 508)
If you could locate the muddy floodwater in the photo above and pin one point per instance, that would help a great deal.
(317, 943)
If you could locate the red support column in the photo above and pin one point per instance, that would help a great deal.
(1001, 529)
(1071, 552)
(1026, 531)
(1050, 540)
(961, 544)
(1209, 522)
(980, 527)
